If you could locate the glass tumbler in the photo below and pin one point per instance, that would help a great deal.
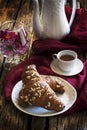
(14, 43)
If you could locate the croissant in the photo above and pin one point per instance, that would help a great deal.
(37, 92)
(53, 82)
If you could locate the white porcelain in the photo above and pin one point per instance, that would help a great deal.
(76, 70)
(51, 20)
(65, 65)
(68, 98)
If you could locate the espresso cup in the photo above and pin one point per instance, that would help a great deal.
(65, 59)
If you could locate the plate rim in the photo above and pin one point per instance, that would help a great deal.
(65, 73)
(45, 115)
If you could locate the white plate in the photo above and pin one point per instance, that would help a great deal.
(77, 69)
(68, 98)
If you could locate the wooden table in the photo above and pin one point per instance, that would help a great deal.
(10, 117)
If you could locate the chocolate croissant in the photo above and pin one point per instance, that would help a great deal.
(37, 92)
(53, 82)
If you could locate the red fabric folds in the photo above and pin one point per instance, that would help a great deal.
(42, 57)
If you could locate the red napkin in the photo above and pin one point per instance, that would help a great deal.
(43, 66)
(42, 57)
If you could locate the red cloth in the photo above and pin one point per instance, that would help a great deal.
(42, 57)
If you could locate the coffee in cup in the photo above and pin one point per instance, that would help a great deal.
(65, 59)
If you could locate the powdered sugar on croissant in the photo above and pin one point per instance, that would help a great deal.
(37, 92)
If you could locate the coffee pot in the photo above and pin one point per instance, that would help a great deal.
(50, 20)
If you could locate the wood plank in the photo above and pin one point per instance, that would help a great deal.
(25, 16)
(53, 123)
(38, 123)
(73, 122)
(9, 9)
(10, 117)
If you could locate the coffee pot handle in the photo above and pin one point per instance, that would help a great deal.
(73, 12)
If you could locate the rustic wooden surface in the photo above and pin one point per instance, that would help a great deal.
(10, 117)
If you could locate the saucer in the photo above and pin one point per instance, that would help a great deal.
(77, 69)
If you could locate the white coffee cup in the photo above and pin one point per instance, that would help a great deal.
(65, 59)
